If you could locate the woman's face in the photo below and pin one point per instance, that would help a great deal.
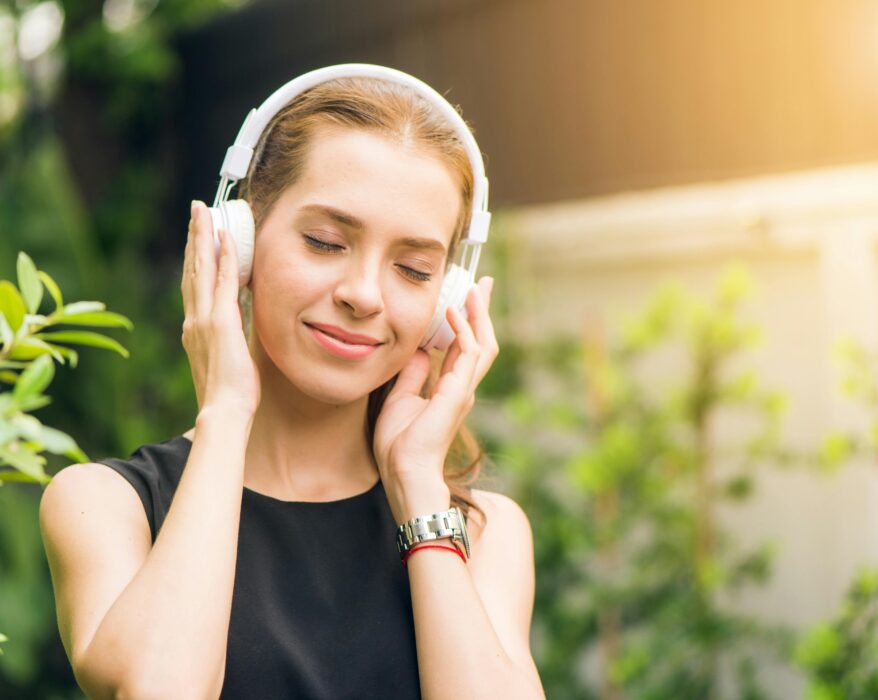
(372, 266)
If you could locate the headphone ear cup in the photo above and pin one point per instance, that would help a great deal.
(455, 288)
(236, 217)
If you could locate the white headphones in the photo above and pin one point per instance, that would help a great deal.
(236, 217)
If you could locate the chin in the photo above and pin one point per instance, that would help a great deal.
(335, 388)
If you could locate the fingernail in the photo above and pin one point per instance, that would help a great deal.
(192, 209)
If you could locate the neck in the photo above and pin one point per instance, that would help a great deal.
(302, 449)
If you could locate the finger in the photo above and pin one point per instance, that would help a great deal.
(483, 328)
(486, 286)
(204, 261)
(450, 357)
(460, 379)
(186, 277)
(412, 377)
(227, 277)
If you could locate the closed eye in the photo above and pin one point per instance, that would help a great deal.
(415, 274)
(409, 272)
(322, 245)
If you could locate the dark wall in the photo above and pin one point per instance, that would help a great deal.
(570, 98)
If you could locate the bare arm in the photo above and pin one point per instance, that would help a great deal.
(151, 621)
(139, 622)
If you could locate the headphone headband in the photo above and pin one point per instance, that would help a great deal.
(239, 154)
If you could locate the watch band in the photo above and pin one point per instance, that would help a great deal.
(436, 526)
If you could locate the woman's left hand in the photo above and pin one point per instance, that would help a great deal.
(413, 434)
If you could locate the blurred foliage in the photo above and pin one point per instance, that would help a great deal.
(841, 657)
(27, 358)
(858, 367)
(111, 73)
(26, 363)
(626, 479)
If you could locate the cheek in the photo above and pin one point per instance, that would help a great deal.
(411, 313)
(286, 276)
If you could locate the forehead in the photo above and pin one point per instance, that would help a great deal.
(382, 183)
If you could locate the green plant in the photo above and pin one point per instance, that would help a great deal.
(858, 369)
(26, 364)
(89, 187)
(841, 656)
(626, 478)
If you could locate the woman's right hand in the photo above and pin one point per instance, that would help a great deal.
(222, 369)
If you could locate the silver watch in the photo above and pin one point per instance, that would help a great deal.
(423, 528)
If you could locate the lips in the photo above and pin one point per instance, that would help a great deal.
(344, 336)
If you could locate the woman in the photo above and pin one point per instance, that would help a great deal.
(255, 555)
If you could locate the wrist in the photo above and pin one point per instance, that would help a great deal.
(223, 417)
(443, 528)
(419, 498)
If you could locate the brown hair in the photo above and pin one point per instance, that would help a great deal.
(396, 112)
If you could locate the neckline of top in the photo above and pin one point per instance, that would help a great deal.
(266, 497)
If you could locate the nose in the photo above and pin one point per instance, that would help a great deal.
(359, 290)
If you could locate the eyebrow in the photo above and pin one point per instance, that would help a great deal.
(347, 219)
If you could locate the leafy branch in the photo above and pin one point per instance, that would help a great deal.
(26, 364)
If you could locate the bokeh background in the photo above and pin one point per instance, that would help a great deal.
(685, 198)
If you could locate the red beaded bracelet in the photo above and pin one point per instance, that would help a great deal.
(433, 546)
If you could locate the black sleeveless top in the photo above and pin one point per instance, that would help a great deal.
(314, 615)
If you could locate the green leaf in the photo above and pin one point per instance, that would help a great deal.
(11, 305)
(35, 378)
(60, 443)
(8, 377)
(820, 647)
(53, 289)
(34, 402)
(739, 488)
(818, 690)
(98, 318)
(734, 283)
(29, 282)
(25, 460)
(10, 476)
(7, 432)
(85, 338)
(67, 353)
(30, 347)
(82, 307)
(6, 334)
(49, 439)
(836, 448)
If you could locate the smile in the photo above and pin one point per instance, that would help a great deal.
(340, 348)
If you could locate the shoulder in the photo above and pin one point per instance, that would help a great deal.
(502, 546)
(502, 515)
(85, 479)
(83, 486)
(95, 535)
(84, 508)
